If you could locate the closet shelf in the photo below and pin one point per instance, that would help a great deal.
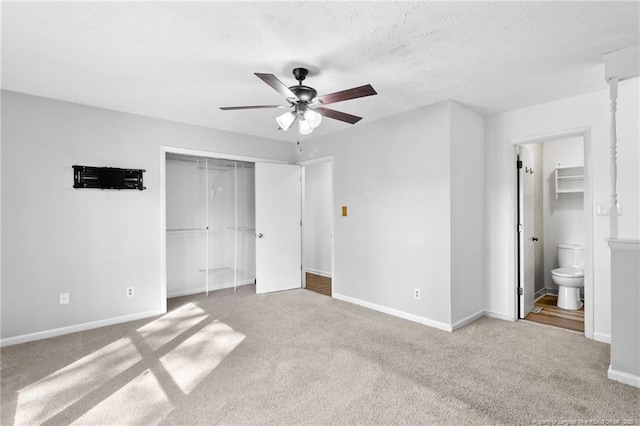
(570, 191)
(574, 177)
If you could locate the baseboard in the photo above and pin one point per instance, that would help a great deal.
(540, 293)
(181, 293)
(498, 315)
(75, 328)
(394, 312)
(318, 272)
(468, 320)
(203, 289)
(601, 337)
(622, 377)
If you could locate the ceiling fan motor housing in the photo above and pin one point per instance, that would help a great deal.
(304, 93)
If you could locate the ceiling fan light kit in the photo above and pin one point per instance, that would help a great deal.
(307, 106)
(286, 120)
(313, 118)
(305, 127)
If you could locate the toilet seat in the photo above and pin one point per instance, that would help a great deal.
(568, 272)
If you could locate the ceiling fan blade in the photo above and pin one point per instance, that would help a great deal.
(279, 86)
(345, 95)
(337, 115)
(254, 107)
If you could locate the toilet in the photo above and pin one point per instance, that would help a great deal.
(569, 277)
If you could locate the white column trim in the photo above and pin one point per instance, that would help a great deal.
(613, 215)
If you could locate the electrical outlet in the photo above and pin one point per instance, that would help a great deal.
(416, 293)
(130, 292)
(64, 298)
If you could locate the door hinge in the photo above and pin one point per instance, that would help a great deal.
(519, 164)
(520, 291)
(520, 227)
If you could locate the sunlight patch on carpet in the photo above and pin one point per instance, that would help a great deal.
(47, 397)
(200, 354)
(147, 398)
(141, 401)
(166, 328)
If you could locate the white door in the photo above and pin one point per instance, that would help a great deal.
(278, 234)
(526, 239)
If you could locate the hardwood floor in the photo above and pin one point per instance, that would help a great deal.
(318, 284)
(552, 315)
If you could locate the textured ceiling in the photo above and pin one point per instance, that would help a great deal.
(180, 61)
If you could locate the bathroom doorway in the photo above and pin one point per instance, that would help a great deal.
(317, 229)
(553, 187)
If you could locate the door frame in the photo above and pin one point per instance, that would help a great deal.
(304, 164)
(585, 134)
(164, 150)
(521, 261)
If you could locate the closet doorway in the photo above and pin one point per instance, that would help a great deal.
(210, 224)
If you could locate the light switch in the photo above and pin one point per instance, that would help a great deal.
(344, 211)
(604, 209)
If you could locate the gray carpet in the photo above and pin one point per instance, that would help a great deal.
(298, 357)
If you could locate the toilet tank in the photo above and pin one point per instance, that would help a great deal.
(571, 256)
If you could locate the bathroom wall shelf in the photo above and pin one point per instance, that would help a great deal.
(186, 230)
(569, 180)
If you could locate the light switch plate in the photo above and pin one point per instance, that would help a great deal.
(604, 209)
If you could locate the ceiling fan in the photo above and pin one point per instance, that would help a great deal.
(307, 106)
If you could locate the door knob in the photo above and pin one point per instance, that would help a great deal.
(534, 239)
(259, 235)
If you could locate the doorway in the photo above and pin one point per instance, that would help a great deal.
(553, 189)
(317, 235)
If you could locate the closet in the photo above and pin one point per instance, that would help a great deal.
(210, 224)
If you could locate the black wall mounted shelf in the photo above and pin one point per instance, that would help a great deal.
(107, 178)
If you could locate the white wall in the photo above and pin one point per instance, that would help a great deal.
(538, 216)
(467, 213)
(563, 216)
(397, 177)
(317, 218)
(90, 243)
(592, 111)
(393, 175)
